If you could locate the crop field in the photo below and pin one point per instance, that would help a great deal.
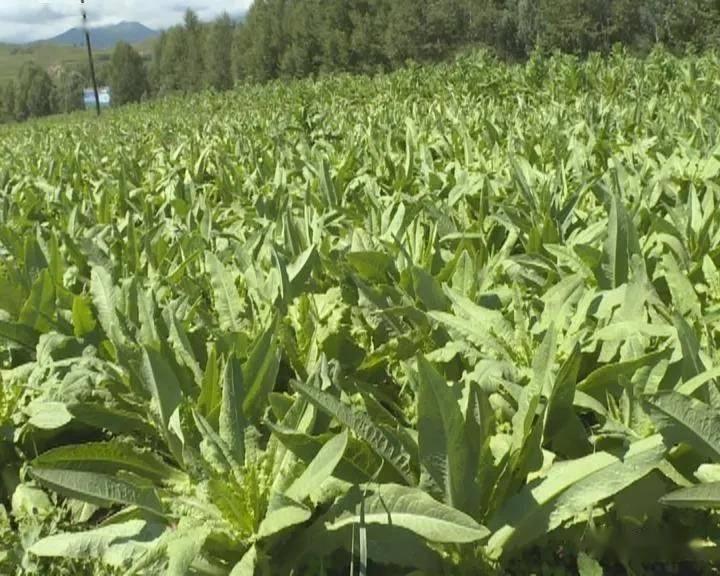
(460, 320)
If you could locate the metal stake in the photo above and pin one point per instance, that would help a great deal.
(90, 57)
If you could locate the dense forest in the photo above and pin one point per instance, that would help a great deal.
(296, 38)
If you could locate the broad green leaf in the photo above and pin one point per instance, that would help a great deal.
(232, 420)
(228, 305)
(89, 544)
(82, 315)
(382, 442)
(562, 396)
(464, 279)
(184, 547)
(359, 462)
(299, 271)
(210, 397)
(109, 418)
(284, 282)
(283, 513)
(106, 300)
(691, 386)
(588, 566)
(567, 491)
(605, 377)
(19, 334)
(483, 327)
(692, 364)
(619, 245)
(320, 469)
(108, 457)
(246, 566)
(183, 349)
(414, 510)
(372, 266)
(543, 365)
(703, 496)
(214, 449)
(441, 438)
(48, 415)
(260, 372)
(683, 419)
(684, 296)
(162, 384)
(99, 489)
(428, 290)
(39, 309)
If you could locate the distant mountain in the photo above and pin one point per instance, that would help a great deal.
(105, 37)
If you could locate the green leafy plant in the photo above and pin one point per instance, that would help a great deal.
(459, 319)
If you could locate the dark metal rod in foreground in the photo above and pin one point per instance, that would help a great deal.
(90, 57)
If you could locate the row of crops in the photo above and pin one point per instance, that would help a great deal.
(458, 320)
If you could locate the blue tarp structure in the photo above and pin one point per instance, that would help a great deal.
(89, 97)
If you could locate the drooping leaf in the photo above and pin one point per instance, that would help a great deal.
(283, 513)
(19, 334)
(683, 419)
(108, 457)
(383, 443)
(48, 415)
(414, 510)
(703, 496)
(99, 489)
(569, 489)
(89, 544)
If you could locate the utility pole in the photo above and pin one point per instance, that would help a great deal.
(90, 57)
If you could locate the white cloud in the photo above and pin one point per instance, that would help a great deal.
(27, 20)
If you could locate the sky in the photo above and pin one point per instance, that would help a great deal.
(28, 20)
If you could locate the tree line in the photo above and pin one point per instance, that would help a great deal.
(297, 38)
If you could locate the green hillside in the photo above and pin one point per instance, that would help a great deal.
(48, 56)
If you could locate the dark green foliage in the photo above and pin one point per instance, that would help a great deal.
(301, 38)
(33, 93)
(7, 102)
(194, 41)
(218, 54)
(128, 77)
(170, 61)
(69, 90)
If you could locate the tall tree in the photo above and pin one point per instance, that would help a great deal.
(263, 40)
(69, 90)
(194, 64)
(302, 51)
(7, 102)
(171, 59)
(33, 92)
(444, 26)
(128, 77)
(404, 35)
(368, 19)
(218, 53)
